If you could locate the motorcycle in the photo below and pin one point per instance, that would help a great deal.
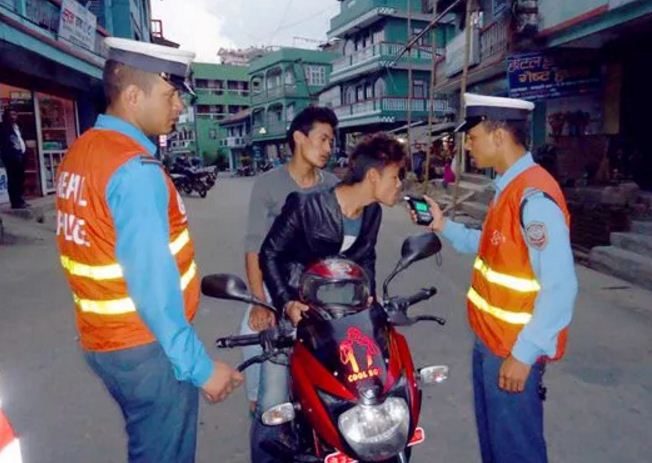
(188, 178)
(355, 393)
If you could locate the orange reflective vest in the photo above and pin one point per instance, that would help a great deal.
(107, 318)
(504, 287)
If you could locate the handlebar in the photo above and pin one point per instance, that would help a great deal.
(422, 295)
(238, 341)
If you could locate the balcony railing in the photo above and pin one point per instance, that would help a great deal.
(44, 14)
(272, 127)
(279, 91)
(220, 91)
(235, 142)
(494, 39)
(392, 104)
(383, 49)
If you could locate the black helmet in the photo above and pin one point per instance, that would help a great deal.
(337, 286)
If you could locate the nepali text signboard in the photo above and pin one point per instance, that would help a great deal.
(77, 24)
(538, 76)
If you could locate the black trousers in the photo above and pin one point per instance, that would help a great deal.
(16, 178)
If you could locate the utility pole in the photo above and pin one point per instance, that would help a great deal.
(431, 100)
(409, 100)
(465, 76)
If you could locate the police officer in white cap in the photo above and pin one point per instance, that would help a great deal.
(128, 255)
(523, 284)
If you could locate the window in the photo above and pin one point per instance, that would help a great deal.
(359, 93)
(420, 89)
(289, 112)
(368, 91)
(289, 77)
(316, 75)
(349, 95)
(424, 41)
(379, 87)
(212, 134)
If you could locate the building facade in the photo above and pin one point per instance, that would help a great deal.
(283, 83)
(369, 87)
(222, 91)
(51, 61)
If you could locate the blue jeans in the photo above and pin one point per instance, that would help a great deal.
(252, 374)
(160, 412)
(510, 425)
(273, 390)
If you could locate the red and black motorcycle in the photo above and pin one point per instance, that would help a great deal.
(355, 393)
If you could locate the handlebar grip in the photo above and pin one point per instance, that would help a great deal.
(422, 295)
(238, 341)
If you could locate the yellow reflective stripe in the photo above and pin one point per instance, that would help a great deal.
(187, 277)
(94, 272)
(125, 305)
(114, 271)
(522, 285)
(109, 307)
(180, 241)
(515, 318)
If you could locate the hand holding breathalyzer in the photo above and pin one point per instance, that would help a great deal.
(425, 211)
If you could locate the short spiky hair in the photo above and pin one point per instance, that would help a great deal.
(304, 121)
(118, 76)
(374, 151)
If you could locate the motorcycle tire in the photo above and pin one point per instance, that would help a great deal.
(187, 189)
(203, 192)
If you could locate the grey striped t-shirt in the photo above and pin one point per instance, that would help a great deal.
(268, 197)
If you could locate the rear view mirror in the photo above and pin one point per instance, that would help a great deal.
(419, 247)
(434, 374)
(225, 286)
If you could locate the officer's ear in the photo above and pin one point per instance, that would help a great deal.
(131, 95)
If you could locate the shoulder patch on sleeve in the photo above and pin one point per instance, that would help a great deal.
(150, 160)
(536, 235)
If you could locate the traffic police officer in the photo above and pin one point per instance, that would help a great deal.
(128, 255)
(523, 284)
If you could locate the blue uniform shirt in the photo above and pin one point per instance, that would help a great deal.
(138, 197)
(551, 262)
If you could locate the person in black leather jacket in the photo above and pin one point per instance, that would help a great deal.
(343, 221)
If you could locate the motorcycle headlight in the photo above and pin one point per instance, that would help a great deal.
(376, 432)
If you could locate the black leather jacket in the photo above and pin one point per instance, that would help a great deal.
(308, 229)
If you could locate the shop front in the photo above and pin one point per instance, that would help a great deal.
(49, 125)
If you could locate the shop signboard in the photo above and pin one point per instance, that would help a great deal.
(4, 192)
(77, 25)
(538, 76)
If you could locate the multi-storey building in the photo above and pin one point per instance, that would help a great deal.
(283, 83)
(222, 91)
(51, 70)
(367, 89)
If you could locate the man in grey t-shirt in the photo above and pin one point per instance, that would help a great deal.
(310, 138)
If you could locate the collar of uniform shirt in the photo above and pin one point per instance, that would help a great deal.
(106, 122)
(501, 181)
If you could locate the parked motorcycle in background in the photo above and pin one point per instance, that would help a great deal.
(355, 393)
(189, 178)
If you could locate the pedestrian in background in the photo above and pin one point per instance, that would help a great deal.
(12, 150)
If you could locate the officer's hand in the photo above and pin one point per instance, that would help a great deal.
(222, 382)
(261, 318)
(438, 219)
(513, 375)
(294, 311)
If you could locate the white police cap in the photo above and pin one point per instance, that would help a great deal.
(480, 108)
(172, 64)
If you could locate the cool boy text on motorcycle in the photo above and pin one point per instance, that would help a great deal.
(355, 393)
